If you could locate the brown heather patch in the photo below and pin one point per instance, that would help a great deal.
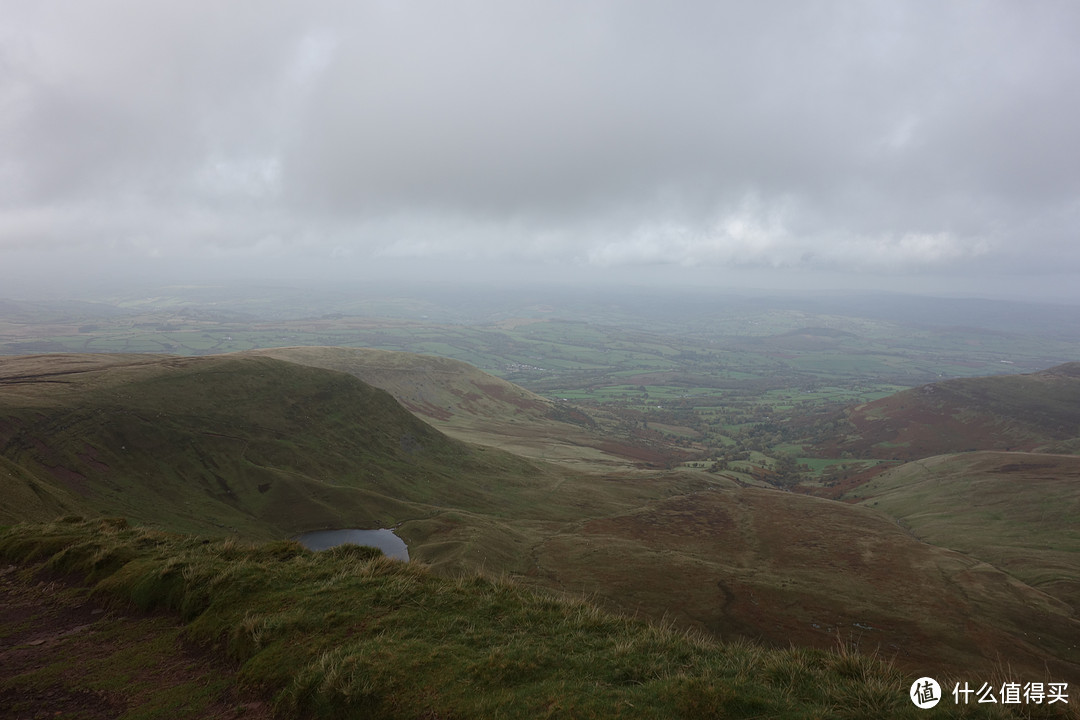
(1014, 412)
(909, 429)
(643, 455)
(428, 410)
(89, 456)
(785, 568)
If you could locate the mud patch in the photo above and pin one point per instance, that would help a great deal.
(62, 650)
(57, 702)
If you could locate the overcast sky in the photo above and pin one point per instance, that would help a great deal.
(931, 146)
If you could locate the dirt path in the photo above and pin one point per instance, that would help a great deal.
(66, 654)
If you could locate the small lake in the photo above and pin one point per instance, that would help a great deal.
(385, 540)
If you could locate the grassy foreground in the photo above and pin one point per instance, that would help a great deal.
(349, 633)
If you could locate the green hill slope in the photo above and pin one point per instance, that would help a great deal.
(255, 445)
(265, 448)
(1017, 511)
(1039, 411)
(474, 406)
(437, 388)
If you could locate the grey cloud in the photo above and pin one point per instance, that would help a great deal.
(861, 136)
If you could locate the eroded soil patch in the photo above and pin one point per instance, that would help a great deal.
(65, 653)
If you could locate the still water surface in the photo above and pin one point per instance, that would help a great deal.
(385, 540)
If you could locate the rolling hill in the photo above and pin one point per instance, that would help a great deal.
(1036, 411)
(260, 447)
(264, 448)
(253, 445)
(784, 568)
(471, 405)
(1016, 511)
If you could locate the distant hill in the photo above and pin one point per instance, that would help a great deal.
(472, 405)
(1037, 411)
(253, 445)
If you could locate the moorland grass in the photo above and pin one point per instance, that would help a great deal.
(350, 633)
(1016, 511)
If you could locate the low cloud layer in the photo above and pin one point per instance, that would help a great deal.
(878, 137)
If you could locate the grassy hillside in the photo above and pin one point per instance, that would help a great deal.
(434, 387)
(1018, 412)
(253, 445)
(471, 405)
(347, 633)
(1017, 511)
(785, 568)
(262, 448)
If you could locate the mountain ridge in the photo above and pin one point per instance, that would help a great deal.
(474, 406)
(1033, 411)
(225, 441)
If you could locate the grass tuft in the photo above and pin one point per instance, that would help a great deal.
(351, 633)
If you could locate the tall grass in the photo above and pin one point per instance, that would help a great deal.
(350, 633)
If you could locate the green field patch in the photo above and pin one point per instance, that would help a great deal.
(843, 364)
(820, 467)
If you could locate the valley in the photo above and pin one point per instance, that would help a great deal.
(680, 376)
(777, 477)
